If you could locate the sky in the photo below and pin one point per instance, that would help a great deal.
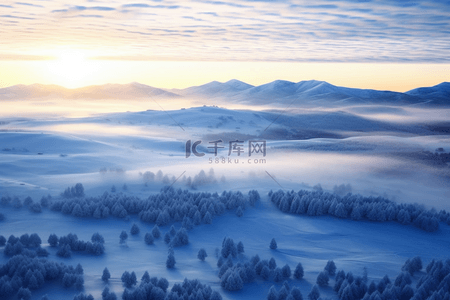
(393, 45)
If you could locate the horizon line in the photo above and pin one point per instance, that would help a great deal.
(209, 82)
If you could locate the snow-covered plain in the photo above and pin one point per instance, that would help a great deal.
(375, 150)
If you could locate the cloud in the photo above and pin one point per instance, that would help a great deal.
(144, 5)
(83, 8)
(239, 30)
(28, 4)
(16, 17)
(225, 3)
(139, 5)
(23, 57)
(87, 16)
(99, 8)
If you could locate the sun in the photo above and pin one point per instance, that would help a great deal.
(71, 69)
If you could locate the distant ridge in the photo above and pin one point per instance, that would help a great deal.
(303, 93)
(215, 89)
(439, 94)
(106, 91)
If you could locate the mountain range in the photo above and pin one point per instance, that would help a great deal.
(303, 93)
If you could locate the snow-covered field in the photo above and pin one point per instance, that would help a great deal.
(392, 151)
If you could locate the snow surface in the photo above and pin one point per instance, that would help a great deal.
(378, 149)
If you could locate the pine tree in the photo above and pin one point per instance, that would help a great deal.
(330, 268)
(167, 238)
(273, 294)
(215, 296)
(33, 283)
(24, 294)
(286, 271)
(34, 240)
(149, 238)
(265, 273)
(234, 282)
(106, 275)
(133, 279)
(145, 277)
(126, 279)
(240, 248)
(322, 279)
(272, 263)
(123, 236)
(278, 276)
(296, 294)
(134, 229)
(170, 263)
(97, 237)
(298, 273)
(314, 294)
(208, 218)
(79, 282)
(172, 230)
(156, 232)
(283, 293)
(53, 240)
(202, 254)
(239, 212)
(273, 244)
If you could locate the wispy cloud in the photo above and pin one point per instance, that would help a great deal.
(236, 30)
(28, 4)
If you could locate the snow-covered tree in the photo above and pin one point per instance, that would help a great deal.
(296, 294)
(286, 271)
(24, 294)
(53, 240)
(330, 268)
(156, 232)
(129, 279)
(107, 295)
(298, 273)
(170, 262)
(106, 275)
(273, 294)
(123, 236)
(167, 238)
(134, 229)
(239, 212)
(149, 238)
(97, 238)
(202, 254)
(273, 244)
(240, 248)
(322, 279)
(265, 273)
(314, 294)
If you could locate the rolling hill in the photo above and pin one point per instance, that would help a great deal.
(279, 92)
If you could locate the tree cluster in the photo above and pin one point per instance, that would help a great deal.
(357, 207)
(70, 243)
(168, 206)
(22, 274)
(233, 276)
(285, 292)
(76, 191)
(433, 285)
(29, 245)
(17, 203)
(157, 288)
